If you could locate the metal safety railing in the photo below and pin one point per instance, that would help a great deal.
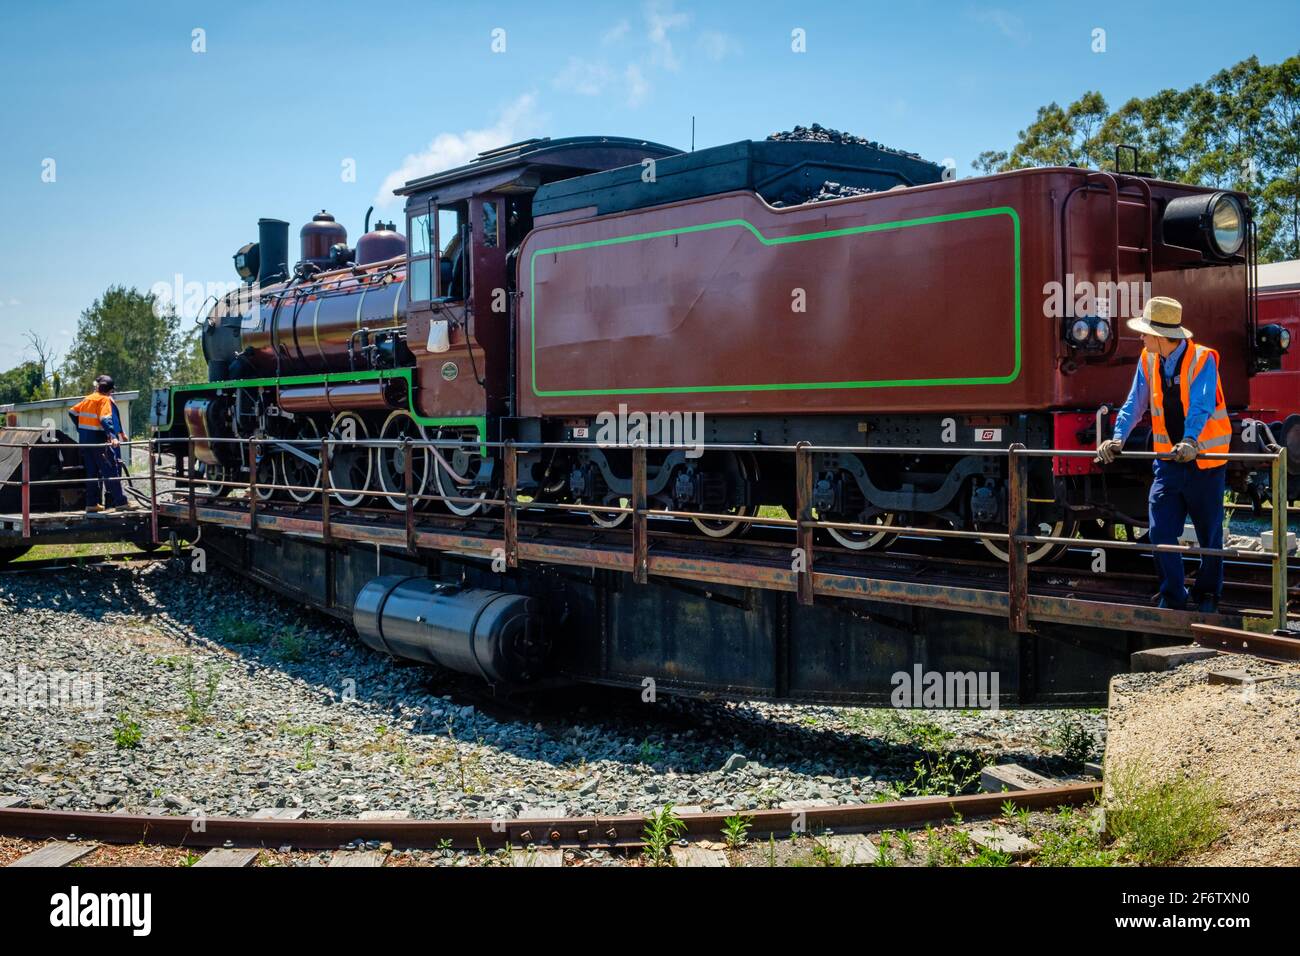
(505, 509)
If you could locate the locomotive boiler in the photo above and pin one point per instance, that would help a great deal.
(839, 293)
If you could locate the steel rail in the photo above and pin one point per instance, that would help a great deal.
(596, 832)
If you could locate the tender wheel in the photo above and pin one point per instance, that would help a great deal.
(299, 472)
(464, 462)
(1060, 528)
(391, 461)
(864, 540)
(610, 519)
(739, 469)
(350, 467)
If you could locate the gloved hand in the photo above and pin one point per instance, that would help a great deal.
(1109, 450)
(1184, 451)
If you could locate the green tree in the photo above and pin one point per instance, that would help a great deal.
(1238, 130)
(22, 383)
(128, 335)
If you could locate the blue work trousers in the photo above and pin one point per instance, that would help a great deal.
(1180, 491)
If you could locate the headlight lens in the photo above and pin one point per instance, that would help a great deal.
(1079, 331)
(1228, 224)
(1284, 339)
(1103, 330)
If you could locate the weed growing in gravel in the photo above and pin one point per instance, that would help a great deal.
(1073, 840)
(823, 855)
(990, 857)
(290, 644)
(1016, 815)
(127, 733)
(308, 762)
(662, 827)
(1155, 822)
(238, 630)
(189, 859)
(650, 752)
(199, 694)
(1075, 741)
(940, 773)
(735, 830)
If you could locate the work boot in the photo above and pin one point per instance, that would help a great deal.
(92, 509)
(1208, 604)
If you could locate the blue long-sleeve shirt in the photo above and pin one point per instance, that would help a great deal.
(1200, 396)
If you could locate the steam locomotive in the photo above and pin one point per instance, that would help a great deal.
(551, 282)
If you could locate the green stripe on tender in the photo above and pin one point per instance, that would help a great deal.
(778, 241)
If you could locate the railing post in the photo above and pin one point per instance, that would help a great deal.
(1279, 479)
(153, 489)
(803, 514)
(27, 491)
(408, 487)
(640, 538)
(193, 485)
(324, 491)
(510, 523)
(252, 484)
(1017, 527)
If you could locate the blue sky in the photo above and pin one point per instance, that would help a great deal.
(164, 157)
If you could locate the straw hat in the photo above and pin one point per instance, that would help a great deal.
(1161, 316)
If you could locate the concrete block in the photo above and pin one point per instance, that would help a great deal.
(1167, 658)
(1012, 776)
(1266, 540)
(1092, 770)
(1003, 841)
(1235, 677)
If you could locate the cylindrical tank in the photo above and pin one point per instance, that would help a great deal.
(306, 327)
(379, 244)
(494, 635)
(318, 236)
(347, 396)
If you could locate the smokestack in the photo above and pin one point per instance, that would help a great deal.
(273, 250)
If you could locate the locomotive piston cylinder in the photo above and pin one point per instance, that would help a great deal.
(494, 635)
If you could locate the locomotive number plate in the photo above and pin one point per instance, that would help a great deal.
(988, 434)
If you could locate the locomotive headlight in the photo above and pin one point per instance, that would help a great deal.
(1228, 222)
(1284, 339)
(1212, 222)
(1088, 332)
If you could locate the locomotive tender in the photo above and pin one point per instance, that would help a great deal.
(553, 280)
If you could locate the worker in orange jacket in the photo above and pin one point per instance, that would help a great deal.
(1177, 381)
(99, 441)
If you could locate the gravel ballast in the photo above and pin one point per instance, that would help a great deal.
(220, 698)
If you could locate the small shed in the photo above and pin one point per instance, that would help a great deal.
(55, 410)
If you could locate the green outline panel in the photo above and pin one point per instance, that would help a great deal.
(405, 373)
(778, 241)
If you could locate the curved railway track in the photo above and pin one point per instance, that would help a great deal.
(558, 832)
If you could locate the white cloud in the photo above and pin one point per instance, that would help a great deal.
(717, 45)
(616, 32)
(517, 120)
(661, 20)
(637, 86)
(585, 77)
(1006, 23)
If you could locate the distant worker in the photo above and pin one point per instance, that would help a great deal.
(98, 438)
(1178, 381)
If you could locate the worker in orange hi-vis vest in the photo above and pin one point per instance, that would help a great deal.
(1178, 382)
(96, 434)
